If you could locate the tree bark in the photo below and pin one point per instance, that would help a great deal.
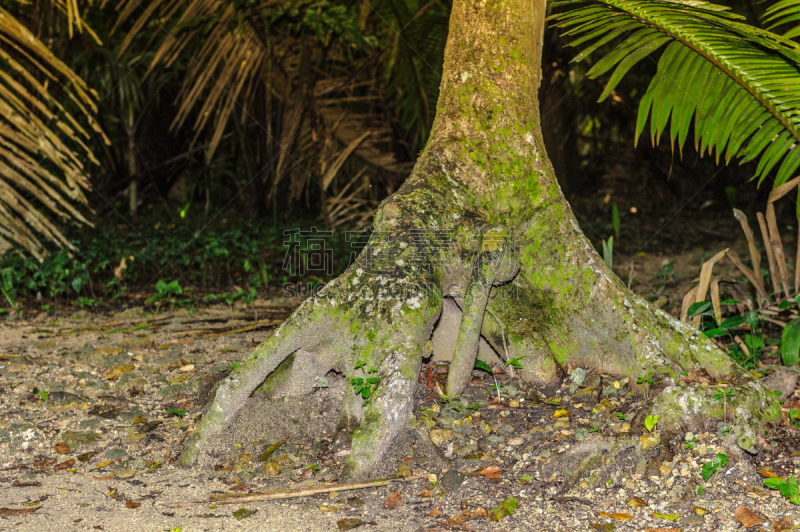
(483, 221)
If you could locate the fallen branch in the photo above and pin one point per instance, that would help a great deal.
(291, 493)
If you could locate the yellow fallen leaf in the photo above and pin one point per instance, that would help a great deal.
(617, 516)
(671, 517)
(616, 384)
(116, 372)
(767, 474)
(561, 413)
(101, 465)
(178, 379)
(700, 511)
(139, 419)
(329, 508)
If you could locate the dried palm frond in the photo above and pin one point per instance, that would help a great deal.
(42, 145)
(768, 306)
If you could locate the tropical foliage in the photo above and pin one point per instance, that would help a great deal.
(741, 84)
(43, 142)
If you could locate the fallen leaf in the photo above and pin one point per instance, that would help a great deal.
(747, 517)
(784, 524)
(65, 464)
(139, 419)
(636, 502)
(767, 474)
(18, 511)
(18, 484)
(425, 493)
(329, 508)
(348, 522)
(700, 511)
(503, 509)
(62, 448)
(101, 465)
(435, 513)
(603, 527)
(460, 519)
(670, 517)
(116, 372)
(243, 513)
(393, 500)
(616, 516)
(490, 472)
(132, 505)
(110, 477)
(561, 413)
(662, 530)
(241, 486)
(85, 457)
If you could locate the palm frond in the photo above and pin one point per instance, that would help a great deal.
(741, 84)
(39, 160)
(784, 13)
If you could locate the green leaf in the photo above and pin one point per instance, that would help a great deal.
(714, 333)
(480, 364)
(504, 509)
(670, 517)
(790, 344)
(774, 483)
(650, 422)
(243, 513)
(699, 308)
(732, 323)
(176, 412)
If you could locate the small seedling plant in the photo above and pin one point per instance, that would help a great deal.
(788, 488)
(480, 364)
(365, 386)
(712, 467)
(650, 422)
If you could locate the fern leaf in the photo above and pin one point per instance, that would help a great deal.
(740, 84)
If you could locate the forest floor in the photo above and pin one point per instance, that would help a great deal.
(94, 409)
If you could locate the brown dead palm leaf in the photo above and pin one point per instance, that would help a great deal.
(43, 146)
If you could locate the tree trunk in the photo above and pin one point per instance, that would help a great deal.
(482, 220)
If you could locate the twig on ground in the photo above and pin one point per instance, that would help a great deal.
(291, 493)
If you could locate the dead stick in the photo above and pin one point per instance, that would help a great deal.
(295, 492)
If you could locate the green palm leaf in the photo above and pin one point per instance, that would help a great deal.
(785, 12)
(740, 83)
(42, 145)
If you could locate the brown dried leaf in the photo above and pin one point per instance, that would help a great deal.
(491, 472)
(784, 524)
(241, 486)
(747, 517)
(132, 505)
(460, 519)
(18, 484)
(85, 457)
(65, 464)
(436, 512)
(18, 511)
(425, 493)
(393, 500)
(636, 502)
(62, 448)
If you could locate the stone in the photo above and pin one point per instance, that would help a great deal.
(75, 439)
(272, 468)
(578, 376)
(782, 381)
(452, 480)
(440, 436)
(691, 520)
(592, 381)
(649, 441)
(516, 441)
(114, 453)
